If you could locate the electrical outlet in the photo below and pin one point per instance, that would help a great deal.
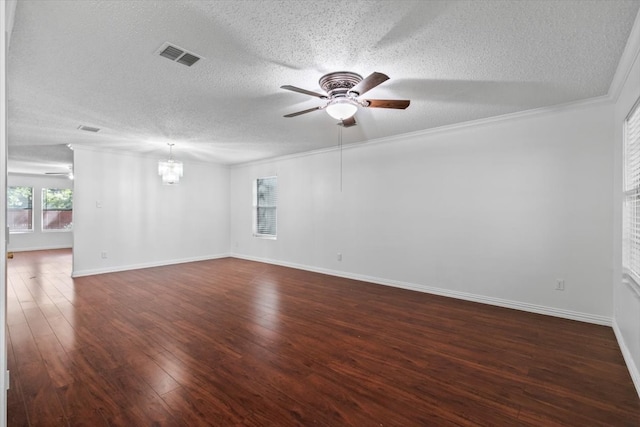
(103, 255)
(559, 285)
(339, 256)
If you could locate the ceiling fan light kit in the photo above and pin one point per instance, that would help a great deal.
(343, 89)
(341, 108)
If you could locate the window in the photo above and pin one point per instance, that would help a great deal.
(20, 209)
(57, 209)
(265, 199)
(631, 208)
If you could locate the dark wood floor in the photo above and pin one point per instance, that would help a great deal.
(237, 343)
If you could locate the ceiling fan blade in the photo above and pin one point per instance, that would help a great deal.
(302, 112)
(399, 104)
(347, 123)
(304, 91)
(373, 80)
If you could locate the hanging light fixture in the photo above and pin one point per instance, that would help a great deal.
(342, 108)
(170, 170)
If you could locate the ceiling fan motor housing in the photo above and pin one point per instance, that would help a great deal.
(338, 84)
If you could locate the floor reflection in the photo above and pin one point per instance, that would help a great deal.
(266, 305)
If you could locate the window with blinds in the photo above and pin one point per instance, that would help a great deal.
(631, 208)
(57, 209)
(265, 207)
(20, 209)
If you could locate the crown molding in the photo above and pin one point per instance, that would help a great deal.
(150, 155)
(536, 112)
(629, 57)
(10, 17)
(38, 175)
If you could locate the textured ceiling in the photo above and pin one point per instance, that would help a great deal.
(94, 63)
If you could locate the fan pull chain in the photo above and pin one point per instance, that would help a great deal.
(340, 139)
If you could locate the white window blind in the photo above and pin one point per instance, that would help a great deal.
(631, 208)
(265, 206)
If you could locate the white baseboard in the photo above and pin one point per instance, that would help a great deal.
(37, 248)
(517, 305)
(626, 354)
(115, 269)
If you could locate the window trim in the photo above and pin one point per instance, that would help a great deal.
(629, 276)
(42, 211)
(255, 210)
(33, 226)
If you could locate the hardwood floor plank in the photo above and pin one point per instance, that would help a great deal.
(65, 333)
(41, 401)
(16, 408)
(37, 322)
(55, 360)
(85, 404)
(156, 377)
(94, 393)
(143, 400)
(193, 409)
(25, 349)
(561, 406)
(231, 342)
(205, 382)
(90, 419)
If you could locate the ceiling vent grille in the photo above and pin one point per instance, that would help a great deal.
(88, 128)
(177, 54)
(171, 52)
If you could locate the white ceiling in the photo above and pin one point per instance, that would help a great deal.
(94, 63)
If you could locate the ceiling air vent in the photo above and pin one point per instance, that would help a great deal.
(177, 54)
(88, 128)
(171, 52)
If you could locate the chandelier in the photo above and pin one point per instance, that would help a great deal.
(170, 170)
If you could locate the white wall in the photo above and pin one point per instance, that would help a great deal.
(493, 212)
(37, 239)
(140, 222)
(626, 316)
(6, 23)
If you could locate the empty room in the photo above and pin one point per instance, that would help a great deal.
(320, 213)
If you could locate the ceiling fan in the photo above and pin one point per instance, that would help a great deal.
(68, 174)
(343, 90)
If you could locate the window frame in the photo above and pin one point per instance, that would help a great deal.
(256, 209)
(629, 249)
(43, 210)
(21, 231)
